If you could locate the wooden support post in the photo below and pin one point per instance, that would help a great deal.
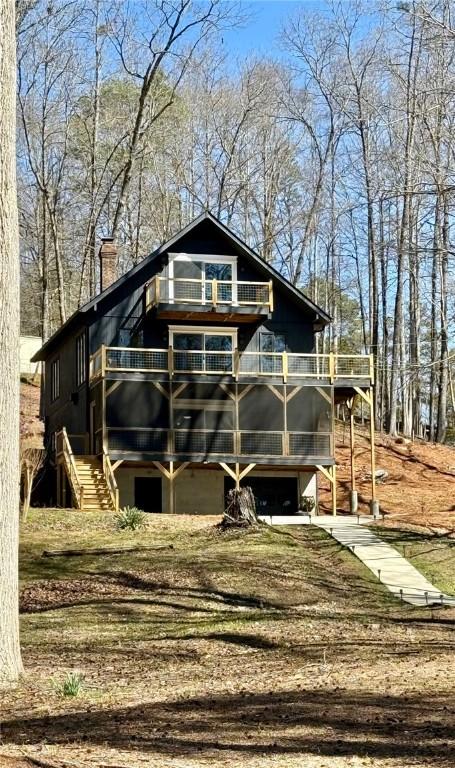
(171, 475)
(285, 366)
(332, 367)
(104, 434)
(228, 470)
(214, 293)
(331, 474)
(271, 295)
(352, 441)
(59, 485)
(246, 471)
(353, 495)
(236, 364)
(170, 361)
(236, 474)
(103, 360)
(373, 461)
(171, 488)
(368, 397)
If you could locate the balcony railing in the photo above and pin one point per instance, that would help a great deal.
(286, 365)
(197, 442)
(209, 294)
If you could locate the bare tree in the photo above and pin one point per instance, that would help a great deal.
(10, 657)
(175, 32)
(31, 461)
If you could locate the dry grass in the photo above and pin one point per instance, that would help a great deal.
(269, 648)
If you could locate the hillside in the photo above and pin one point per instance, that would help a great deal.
(30, 424)
(419, 489)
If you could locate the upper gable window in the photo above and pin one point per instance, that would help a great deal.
(192, 275)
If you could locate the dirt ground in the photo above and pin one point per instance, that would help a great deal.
(271, 648)
(419, 489)
(30, 423)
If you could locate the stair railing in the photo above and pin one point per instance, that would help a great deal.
(110, 479)
(65, 453)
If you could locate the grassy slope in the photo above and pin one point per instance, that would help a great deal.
(434, 556)
(272, 647)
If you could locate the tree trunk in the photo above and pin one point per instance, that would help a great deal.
(385, 324)
(241, 509)
(441, 424)
(10, 657)
(403, 235)
(434, 314)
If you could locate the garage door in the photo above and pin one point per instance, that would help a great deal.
(274, 495)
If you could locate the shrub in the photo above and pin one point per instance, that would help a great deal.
(72, 685)
(307, 503)
(130, 518)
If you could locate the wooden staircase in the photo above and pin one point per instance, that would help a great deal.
(91, 478)
(96, 491)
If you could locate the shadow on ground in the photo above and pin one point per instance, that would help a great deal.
(377, 726)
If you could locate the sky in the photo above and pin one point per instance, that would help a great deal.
(260, 34)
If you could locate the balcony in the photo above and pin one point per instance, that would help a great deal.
(186, 444)
(199, 298)
(285, 366)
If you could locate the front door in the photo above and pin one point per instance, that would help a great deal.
(148, 494)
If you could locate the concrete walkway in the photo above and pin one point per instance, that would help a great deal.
(392, 569)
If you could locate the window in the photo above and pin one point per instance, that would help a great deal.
(81, 363)
(55, 380)
(129, 338)
(191, 278)
(204, 416)
(199, 350)
(272, 342)
(269, 345)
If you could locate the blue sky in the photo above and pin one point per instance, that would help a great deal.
(260, 34)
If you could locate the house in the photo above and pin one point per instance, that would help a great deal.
(28, 347)
(192, 373)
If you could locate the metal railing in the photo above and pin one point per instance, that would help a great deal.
(209, 293)
(132, 359)
(64, 454)
(326, 368)
(253, 443)
(202, 362)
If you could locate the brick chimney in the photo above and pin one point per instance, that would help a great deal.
(108, 262)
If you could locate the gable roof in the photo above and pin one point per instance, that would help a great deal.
(241, 247)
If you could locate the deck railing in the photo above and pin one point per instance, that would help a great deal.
(196, 442)
(110, 480)
(326, 368)
(209, 293)
(64, 454)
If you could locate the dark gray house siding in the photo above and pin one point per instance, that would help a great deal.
(118, 318)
